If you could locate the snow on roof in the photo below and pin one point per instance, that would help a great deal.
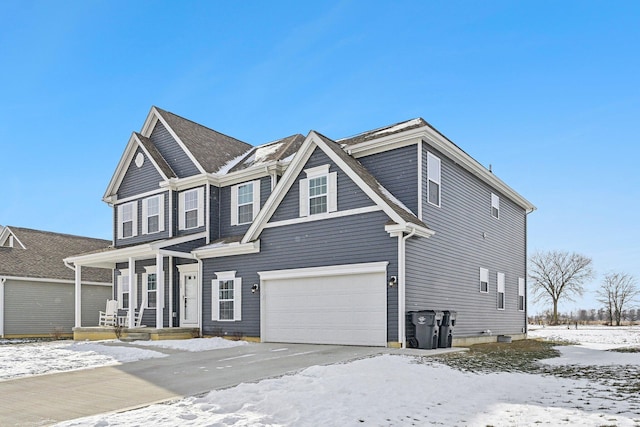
(261, 154)
(231, 163)
(399, 126)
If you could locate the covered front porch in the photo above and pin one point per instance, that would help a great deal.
(156, 288)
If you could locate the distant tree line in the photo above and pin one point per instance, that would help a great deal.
(557, 275)
(590, 316)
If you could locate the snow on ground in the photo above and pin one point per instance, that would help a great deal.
(20, 358)
(400, 391)
(592, 336)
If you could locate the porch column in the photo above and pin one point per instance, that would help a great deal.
(133, 293)
(159, 291)
(78, 301)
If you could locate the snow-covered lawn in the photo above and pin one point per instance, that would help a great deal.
(392, 390)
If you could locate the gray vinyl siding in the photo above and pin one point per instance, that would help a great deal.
(214, 213)
(42, 308)
(226, 229)
(142, 238)
(346, 240)
(138, 180)
(443, 271)
(350, 196)
(397, 171)
(172, 152)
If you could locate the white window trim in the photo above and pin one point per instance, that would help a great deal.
(145, 276)
(120, 293)
(224, 276)
(434, 173)
(500, 280)
(145, 214)
(234, 201)
(521, 293)
(495, 203)
(134, 219)
(200, 209)
(484, 277)
(332, 190)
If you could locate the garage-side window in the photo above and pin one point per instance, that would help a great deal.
(226, 295)
(500, 279)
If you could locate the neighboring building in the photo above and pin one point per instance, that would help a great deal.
(37, 289)
(307, 239)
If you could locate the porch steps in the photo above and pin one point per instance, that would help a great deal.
(136, 336)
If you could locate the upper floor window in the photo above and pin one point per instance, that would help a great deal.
(128, 220)
(226, 295)
(484, 280)
(495, 206)
(500, 291)
(245, 202)
(191, 212)
(433, 179)
(521, 294)
(153, 214)
(318, 191)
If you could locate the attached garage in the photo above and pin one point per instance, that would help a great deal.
(342, 304)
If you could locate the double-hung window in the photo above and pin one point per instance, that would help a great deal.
(433, 179)
(127, 220)
(484, 280)
(495, 206)
(226, 292)
(500, 279)
(191, 209)
(123, 289)
(150, 283)
(318, 191)
(153, 214)
(521, 294)
(245, 202)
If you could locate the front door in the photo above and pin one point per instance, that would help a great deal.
(189, 299)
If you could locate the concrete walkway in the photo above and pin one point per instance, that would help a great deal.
(47, 399)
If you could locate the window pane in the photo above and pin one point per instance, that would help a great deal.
(152, 206)
(317, 186)
(151, 282)
(520, 302)
(152, 224)
(127, 212)
(245, 194)
(245, 214)
(191, 219)
(127, 229)
(484, 286)
(226, 310)
(190, 200)
(500, 300)
(151, 299)
(318, 205)
(434, 193)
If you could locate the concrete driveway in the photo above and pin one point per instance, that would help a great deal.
(47, 399)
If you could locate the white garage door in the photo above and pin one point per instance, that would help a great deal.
(344, 304)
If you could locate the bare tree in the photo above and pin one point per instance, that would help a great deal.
(558, 275)
(616, 292)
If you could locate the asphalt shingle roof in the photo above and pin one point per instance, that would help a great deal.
(43, 255)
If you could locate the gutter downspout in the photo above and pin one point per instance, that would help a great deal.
(2, 280)
(402, 291)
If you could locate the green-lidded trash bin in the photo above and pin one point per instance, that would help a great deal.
(445, 335)
(427, 326)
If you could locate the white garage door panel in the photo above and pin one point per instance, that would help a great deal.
(347, 309)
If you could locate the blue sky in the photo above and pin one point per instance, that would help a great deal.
(546, 92)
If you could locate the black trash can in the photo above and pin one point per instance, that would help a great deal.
(427, 326)
(445, 335)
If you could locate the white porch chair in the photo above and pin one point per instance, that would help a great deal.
(109, 316)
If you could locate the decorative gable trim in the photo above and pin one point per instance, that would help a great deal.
(312, 141)
(110, 196)
(9, 239)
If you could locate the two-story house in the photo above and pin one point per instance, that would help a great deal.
(312, 240)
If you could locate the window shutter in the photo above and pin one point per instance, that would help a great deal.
(200, 207)
(145, 219)
(119, 220)
(215, 304)
(234, 205)
(237, 298)
(304, 197)
(134, 215)
(181, 224)
(161, 212)
(256, 198)
(332, 203)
